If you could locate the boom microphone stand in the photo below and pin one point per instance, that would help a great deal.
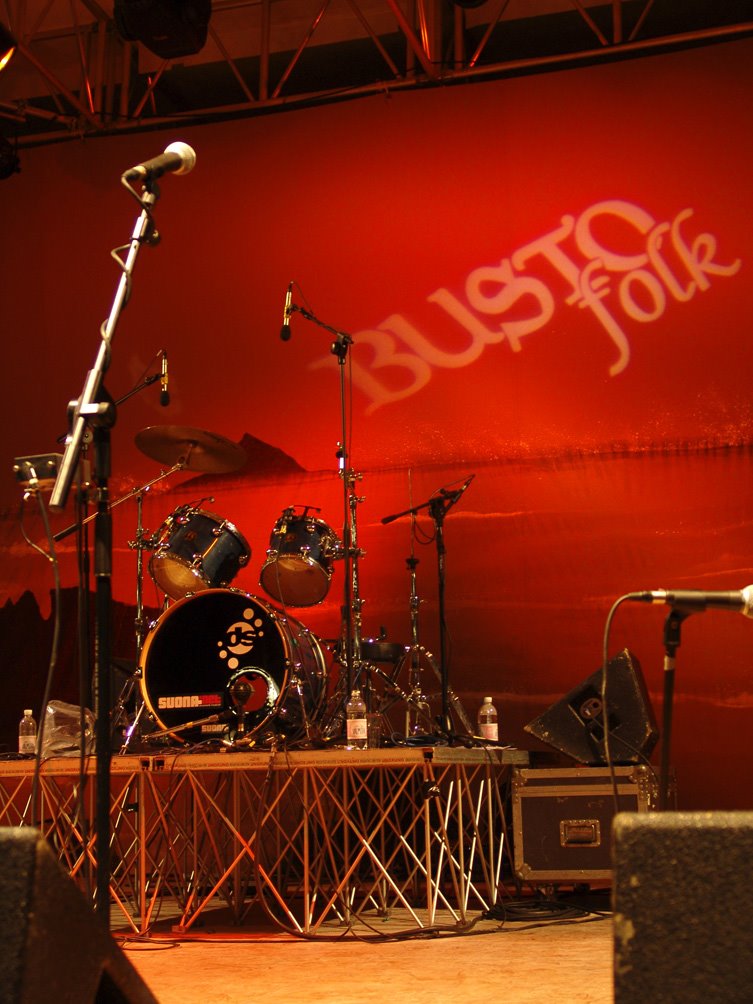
(352, 603)
(96, 409)
(439, 505)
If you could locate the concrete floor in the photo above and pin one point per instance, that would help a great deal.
(530, 961)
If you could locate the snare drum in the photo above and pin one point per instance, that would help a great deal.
(226, 653)
(196, 550)
(298, 568)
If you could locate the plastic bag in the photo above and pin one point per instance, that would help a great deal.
(62, 730)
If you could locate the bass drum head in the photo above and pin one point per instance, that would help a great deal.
(225, 652)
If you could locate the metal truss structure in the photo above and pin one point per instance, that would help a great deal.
(74, 75)
(323, 841)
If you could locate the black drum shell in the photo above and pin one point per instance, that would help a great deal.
(298, 569)
(196, 550)
(203, 643)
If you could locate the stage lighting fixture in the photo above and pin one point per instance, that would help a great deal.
(7, 46)
(168, 28)
(9, 163)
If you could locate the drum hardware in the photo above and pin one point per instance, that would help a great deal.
(418, 707)
(133, 493)
(439, 504)
(380, 650)
(175, 730)
(143, 541)
(415, 703)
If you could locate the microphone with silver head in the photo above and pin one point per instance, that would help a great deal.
(178, 158)
(164, 396)
(285, 329)
(695, 600)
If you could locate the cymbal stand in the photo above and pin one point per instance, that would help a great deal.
(143, 542)
(418, 711)
(311, 731)
(439, 505)
(418, 706)
(140, 544)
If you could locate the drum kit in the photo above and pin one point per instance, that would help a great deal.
(222, 664)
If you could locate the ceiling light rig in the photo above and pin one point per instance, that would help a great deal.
(7, 46)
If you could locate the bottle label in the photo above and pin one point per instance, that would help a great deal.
(27, 744)
(356, 728)
(489, 730)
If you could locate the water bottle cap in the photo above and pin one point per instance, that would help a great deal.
(27, 711)
(487, 700)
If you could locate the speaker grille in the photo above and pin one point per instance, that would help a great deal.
(575, 724)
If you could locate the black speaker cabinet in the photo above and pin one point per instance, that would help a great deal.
(683, 901)
(53, 949)
(575, 724)
(168, 28)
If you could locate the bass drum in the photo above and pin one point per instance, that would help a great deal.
(226, 653)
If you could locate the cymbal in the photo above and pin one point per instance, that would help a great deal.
(193, 449)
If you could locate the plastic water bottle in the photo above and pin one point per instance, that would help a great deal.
(488, 727)
(27, 733)
(356, 725)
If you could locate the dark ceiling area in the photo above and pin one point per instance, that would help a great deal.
(83, 67)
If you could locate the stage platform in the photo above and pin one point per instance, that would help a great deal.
(313, 838)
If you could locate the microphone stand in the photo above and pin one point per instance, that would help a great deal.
(439, 505)
(672, 626)
(352, 603)
(95, 408)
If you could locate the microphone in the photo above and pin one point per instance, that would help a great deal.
(285, 329)
(458, 492)
(164, 394)
(694, 600)
(178, 157)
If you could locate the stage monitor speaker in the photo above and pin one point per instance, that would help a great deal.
(168, 28)
(54, 950)
(575, 724)
(683, 900)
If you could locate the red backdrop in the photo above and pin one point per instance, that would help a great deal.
(545, 280)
